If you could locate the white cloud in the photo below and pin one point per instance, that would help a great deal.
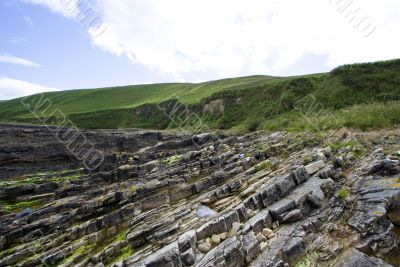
(232, 37)
(11, 88)
(6, 58)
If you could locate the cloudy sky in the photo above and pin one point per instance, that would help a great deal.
(48, 45)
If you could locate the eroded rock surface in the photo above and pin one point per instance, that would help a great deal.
(169, 199)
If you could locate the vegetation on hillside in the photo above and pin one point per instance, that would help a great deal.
(365, 96)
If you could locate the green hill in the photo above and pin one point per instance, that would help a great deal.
(360, 95)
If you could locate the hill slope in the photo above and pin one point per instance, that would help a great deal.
(360, 95)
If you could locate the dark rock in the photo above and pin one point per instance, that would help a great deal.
(293, 216)
(294, 250)
(385, 167)
(355, 258)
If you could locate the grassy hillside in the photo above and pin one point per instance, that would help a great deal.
(360, 95)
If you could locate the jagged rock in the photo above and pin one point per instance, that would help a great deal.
(148, 196)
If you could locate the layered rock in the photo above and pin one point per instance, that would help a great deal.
(167, 199)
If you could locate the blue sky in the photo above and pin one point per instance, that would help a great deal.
(62, 48)
(50, 45)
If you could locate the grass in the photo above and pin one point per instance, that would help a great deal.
(17, 206)
(266, 165)
(39, 178)
(364, 96)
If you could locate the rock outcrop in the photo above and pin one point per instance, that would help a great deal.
(168, 199)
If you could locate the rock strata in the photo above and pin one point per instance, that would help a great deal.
(171, 199)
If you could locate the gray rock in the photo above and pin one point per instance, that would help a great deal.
(187, 241)
(315, 167)
(188, 257)
(250, 246)
(301, 174)
(228, 253)
(269, 195)
(293, 216)
(294, 250)
(258, 222)
(281, 207)
(385, 167)
(167, 256)
(285, 184)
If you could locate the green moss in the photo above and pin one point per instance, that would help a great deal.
(11, 250)
(304, 262)
(83, 249)
(39, 178)
(124, 254)
(15, 206)
(248, 155)
(133, 189)
(171, 160)
(121, 236)
(343, 193)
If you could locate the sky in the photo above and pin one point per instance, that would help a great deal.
(50, 45)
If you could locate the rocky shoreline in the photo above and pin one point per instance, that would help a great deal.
(176, 199)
